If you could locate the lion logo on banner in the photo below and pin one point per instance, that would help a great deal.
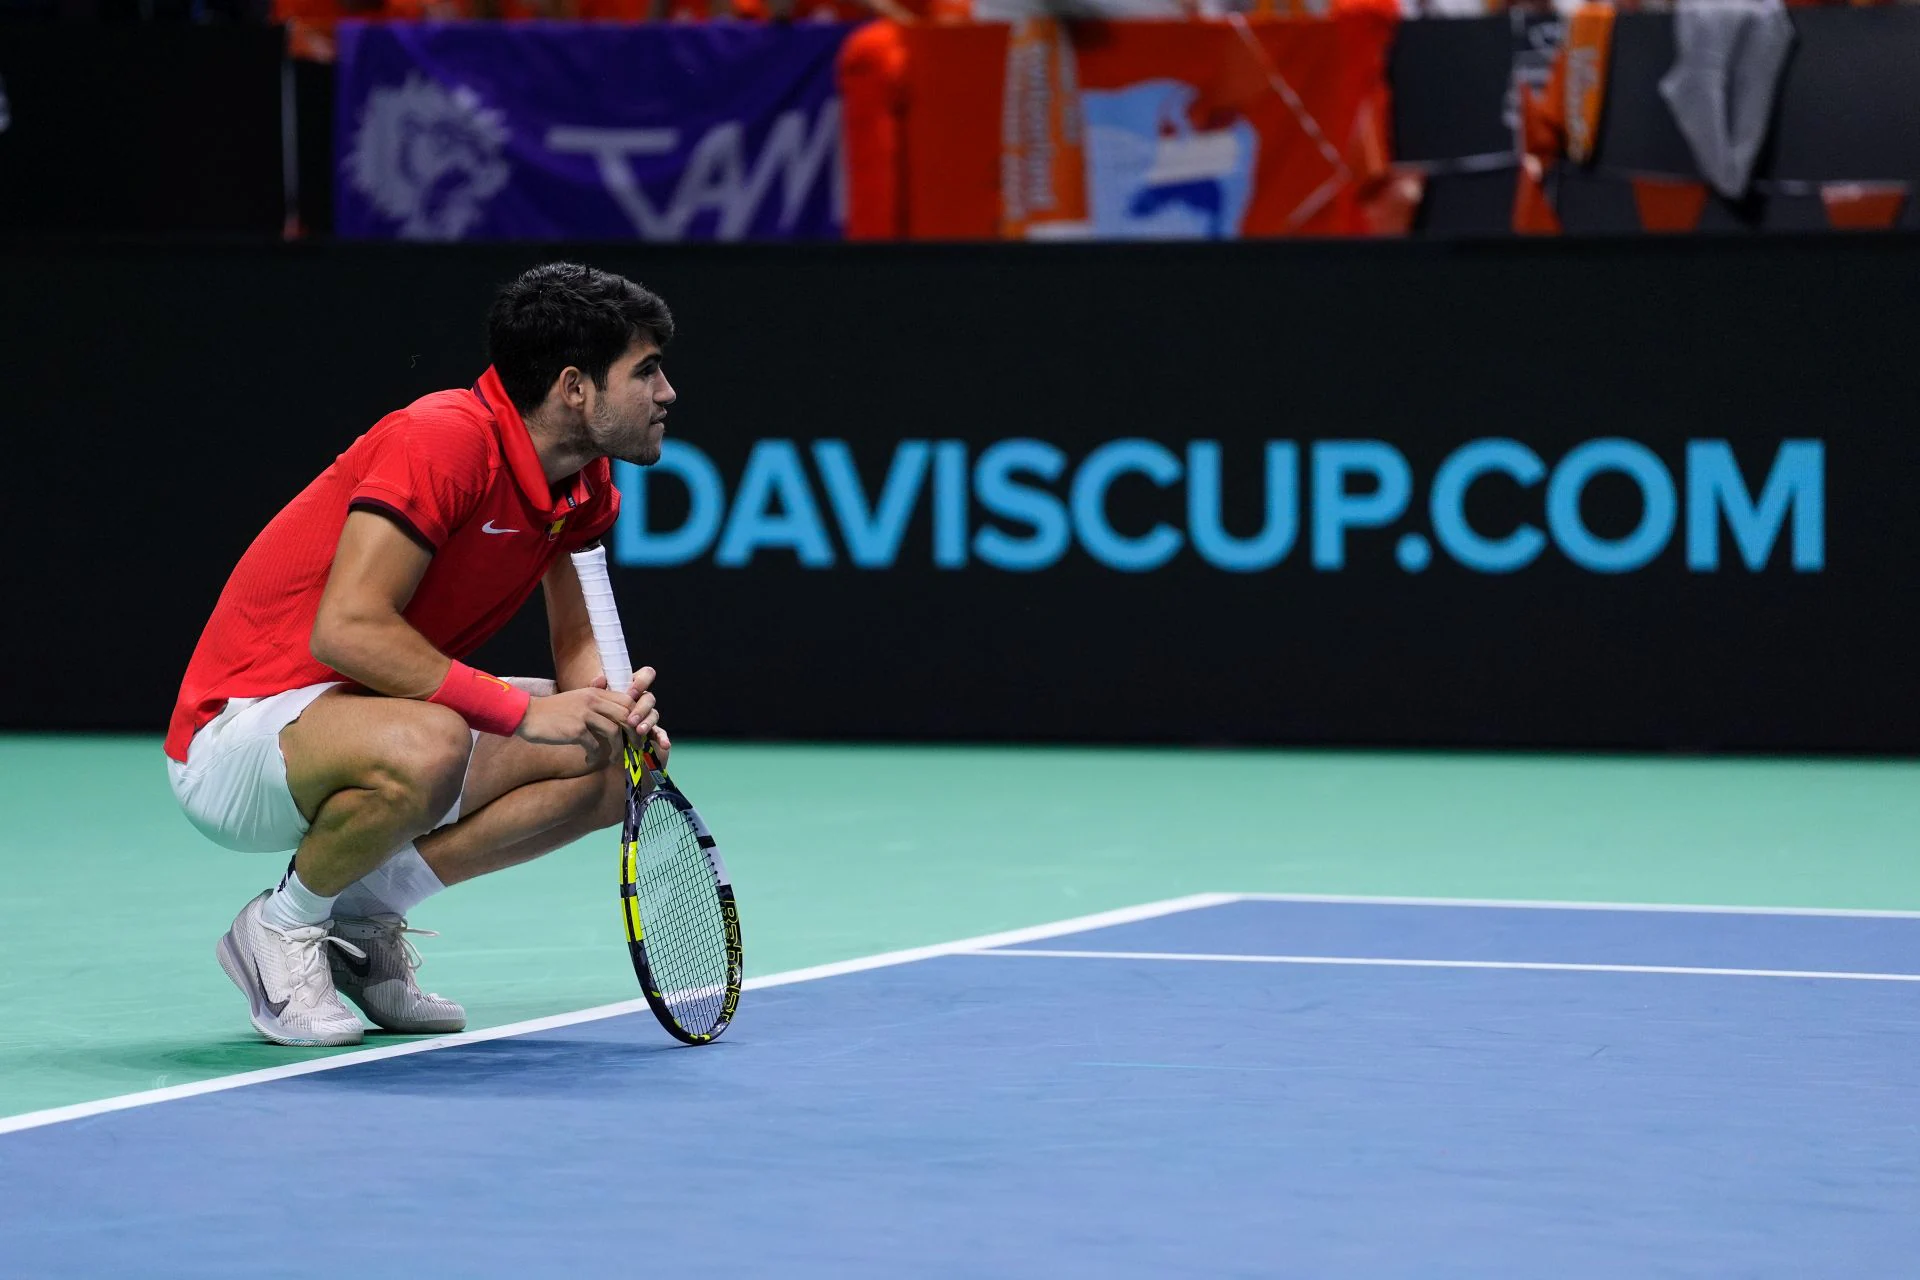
(429, 157)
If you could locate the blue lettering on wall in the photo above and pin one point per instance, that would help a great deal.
(950, 504)
(1282, 522)
(1337, 508)
(1658, 506)
(994, 484)
(773, 509)
(872, 535)
(634, 543)
(1130, 555)
(1022, 505)
(1796, 485)
(1447, 506)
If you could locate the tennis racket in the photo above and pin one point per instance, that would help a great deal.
(683, 930)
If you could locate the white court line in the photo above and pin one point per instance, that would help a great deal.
(1099, 920)
(1382, 962)
(1547, 904)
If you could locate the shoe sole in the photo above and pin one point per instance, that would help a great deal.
(228, 952)
(442, 1027)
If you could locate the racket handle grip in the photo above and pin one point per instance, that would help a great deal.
(604, 613)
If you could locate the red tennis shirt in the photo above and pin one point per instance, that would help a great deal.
(458, 471)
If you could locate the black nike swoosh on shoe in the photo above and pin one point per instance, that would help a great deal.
(361, 968)
(276, 1008)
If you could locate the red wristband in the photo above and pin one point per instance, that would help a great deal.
(486, 702)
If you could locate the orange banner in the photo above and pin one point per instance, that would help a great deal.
(1564, 118)
(1863, 206)
(1584, 59)
(1043, 180)
(1134, 129)
(1669, 204)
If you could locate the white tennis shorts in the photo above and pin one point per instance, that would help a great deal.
(233, 786)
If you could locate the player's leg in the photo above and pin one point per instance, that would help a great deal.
(369, 774)
(344, 779)
(522, 801)
(519, 801)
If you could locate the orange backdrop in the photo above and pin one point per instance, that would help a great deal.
(927, 115)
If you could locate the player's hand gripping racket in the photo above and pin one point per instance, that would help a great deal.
(683, 930)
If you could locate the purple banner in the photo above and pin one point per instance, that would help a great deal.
(572, 131)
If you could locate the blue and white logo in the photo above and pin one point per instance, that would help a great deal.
(1152, 175)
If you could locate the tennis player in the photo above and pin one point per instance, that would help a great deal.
(326, 708)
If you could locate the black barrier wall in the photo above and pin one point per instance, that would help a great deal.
(1604, 494)
(109, 128)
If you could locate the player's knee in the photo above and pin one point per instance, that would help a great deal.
(422, 764)
(607, 805)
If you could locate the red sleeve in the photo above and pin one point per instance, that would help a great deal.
(426, 470)
(594, 520)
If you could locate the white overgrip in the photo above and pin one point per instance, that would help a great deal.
(591, 567)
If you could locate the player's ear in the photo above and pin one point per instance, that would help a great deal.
(572, 384)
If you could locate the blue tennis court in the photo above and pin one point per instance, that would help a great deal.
(1216, 1086)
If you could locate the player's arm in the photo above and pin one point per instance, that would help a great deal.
(359, 631)
(576, 658)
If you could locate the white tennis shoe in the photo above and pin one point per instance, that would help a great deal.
(289, 991)
(374, 969)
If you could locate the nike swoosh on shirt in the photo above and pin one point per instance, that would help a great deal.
(488, 528)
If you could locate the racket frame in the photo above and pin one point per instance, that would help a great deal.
(590, 565)
(639, 768)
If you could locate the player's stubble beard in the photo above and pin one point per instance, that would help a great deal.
(628, 437)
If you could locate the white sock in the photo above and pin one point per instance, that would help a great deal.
(294, 906)
(398, 885)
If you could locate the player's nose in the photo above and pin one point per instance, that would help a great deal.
(666, 395)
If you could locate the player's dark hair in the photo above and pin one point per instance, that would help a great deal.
(560, 314)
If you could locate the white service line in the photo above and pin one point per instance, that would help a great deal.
(1384, 962)
(1099, 920)
(1547, 904)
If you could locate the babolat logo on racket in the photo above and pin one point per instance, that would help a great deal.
(1491, 506)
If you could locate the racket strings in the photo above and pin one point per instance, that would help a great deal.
(686, 932)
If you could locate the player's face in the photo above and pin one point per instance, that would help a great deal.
(629, 420)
